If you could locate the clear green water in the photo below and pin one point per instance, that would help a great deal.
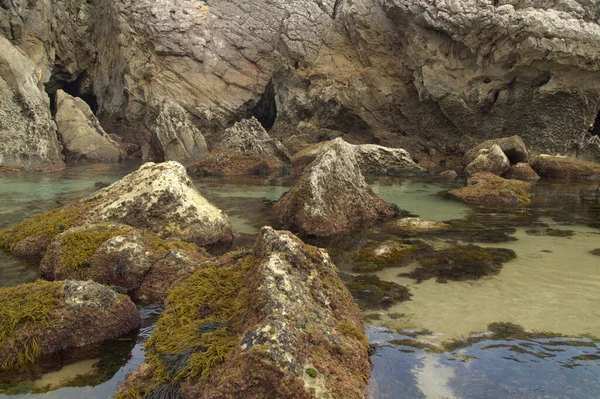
(553, 285)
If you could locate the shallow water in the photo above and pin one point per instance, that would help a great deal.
(553, 285)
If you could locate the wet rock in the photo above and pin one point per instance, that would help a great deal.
(378, 256)
(174, 136)
(47, 168)
(521, 171)
(277, 322)
(485, 188)
(27, 131)
(45, 317)
(490, 159)
(448, 174)
(513, 147)
(332, 196)
(8, 169)
(158, 198)
(462, 262)
(228, 162)
(143, 264)
(372, 159)
(83, 138)
(249, 137)
(418, 225)
(97, 166)
(373, 293)
(558, 167)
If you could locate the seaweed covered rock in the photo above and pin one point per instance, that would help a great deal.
(558, 167)
(276, 322)
(485, 188)
(488, 160)
(513, 148)
(119, 255)
(418, 225)
(228, 162)
(159, 198)
(41, 318)
(249, 137)
(174, 136)
(372, 159)
(521, 171)
(372, 293)
(462, 262)
(377, 256)
(83, 138)
(332, 195)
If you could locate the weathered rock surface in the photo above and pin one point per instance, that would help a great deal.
(27, 132)
(158, 198)
(228, 162)
(249, 137)
(331, 196)
(418, 225)
(566, 168)
(45, 317)
(83, 138)
(485, 188)
(174, 136)
(119, 255)
(490, 159)
(521, 171)
(276, 322)
(513, 147)
(372, 159)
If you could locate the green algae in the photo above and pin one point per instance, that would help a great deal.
(25, 310)
(180, 349)
(462, 262)
(79, 246)
(43, 226)
(350, 330)
(312, 373)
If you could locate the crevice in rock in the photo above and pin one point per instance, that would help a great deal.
(595, 129)
(336, 7)
(80, 87)
(265, 110)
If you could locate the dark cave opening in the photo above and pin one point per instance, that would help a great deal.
(80, 87)
(595, 129)
(265, 110)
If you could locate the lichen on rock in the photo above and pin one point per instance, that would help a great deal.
(485, 188)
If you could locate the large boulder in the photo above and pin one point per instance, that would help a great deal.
(485, 188)
(372, 159)
(119, 255)
(27, 131)
(229, 162)
(159, 198)
(558, 167)
(276, 322)
(174, 136)
(41, 318)
(513, 147)
(83, 138)
(490, 159)
(332, 195)
(249, 137)
(521, 171)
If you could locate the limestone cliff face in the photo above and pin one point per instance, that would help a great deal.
(416, 74)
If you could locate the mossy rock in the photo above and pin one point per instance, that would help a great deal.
(251, 324)
(41, 318)
(377, 256)
(558, 167)
(231, 162)
(462, 262)
(485, 188)
(372, 292)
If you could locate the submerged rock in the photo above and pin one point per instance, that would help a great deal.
(27, 130)
(490, 159)
(273, 323)
(159, 198)
(174, 136)
(332, 195)
(372, 293)
(372, 159)
(83, 138)
(558, 167)
(485, 188)
(228, 162)
(418, 225)
(45, 317)
(377, 256)
(521, 171)
(118, 255)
